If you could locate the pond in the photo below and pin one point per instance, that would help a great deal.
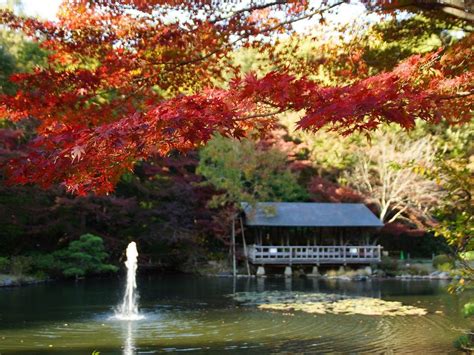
(196, 314)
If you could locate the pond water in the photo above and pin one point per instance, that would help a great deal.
(196, 314)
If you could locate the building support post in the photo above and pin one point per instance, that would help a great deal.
(261, 271)
(288, 271)
(245, 247)
(234, 262)
(314, 272)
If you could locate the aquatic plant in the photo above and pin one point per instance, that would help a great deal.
(322, 303)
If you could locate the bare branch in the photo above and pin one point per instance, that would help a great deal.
(386, 173)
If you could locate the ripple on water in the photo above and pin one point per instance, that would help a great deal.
(245, 328)
(330, 332)
(132, 317)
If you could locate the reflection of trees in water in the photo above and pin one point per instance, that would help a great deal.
(368, 288)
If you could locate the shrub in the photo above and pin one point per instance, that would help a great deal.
(84, 256)
(445, 267)
(4, 264)
(331, 273)
(442, 259)
(21, 265)
(389, 265)
(465, 343)
(45, 264)
(468, 310)
(415, 270)
(468, 256)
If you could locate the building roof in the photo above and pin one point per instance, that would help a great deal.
(309, 214)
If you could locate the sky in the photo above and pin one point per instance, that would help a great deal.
(47, 9)
(43, 8)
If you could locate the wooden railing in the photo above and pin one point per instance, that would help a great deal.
(320, 254)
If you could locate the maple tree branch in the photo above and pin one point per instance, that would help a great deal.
(457, 96)
(241, 38)
(309, 15)
(261, 115)
(232, 43)
(249, 9)
(266, 102)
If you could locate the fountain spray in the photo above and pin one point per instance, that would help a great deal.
(128, 310)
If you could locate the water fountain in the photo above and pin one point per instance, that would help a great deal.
(128, 310)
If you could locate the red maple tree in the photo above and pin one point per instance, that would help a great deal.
(131, 79)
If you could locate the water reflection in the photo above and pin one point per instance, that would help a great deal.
(184, 313)
(129, 337)
(315, 283)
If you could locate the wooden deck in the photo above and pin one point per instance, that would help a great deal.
(314, 255)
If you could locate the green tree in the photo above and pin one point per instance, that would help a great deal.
(84, 256)
(245, 171)
(18, 54)
(453, 171)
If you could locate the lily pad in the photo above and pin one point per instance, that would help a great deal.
(325, 303)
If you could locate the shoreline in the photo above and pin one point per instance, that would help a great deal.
(344, 278)
(7, 280)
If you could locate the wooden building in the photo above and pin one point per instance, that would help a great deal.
(287, 233)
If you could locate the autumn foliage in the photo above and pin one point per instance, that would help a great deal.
(132, 79)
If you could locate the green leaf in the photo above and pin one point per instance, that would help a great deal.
(468, 309)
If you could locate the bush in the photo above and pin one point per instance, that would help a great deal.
(465, 343)
(445, 267)
(468, 310)
(441, 260)
(331, 273)
(45, 265)
(4, 264)
(388, 265)
(21, 265)
(415, 270)
(468, 256)
(84, 256)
